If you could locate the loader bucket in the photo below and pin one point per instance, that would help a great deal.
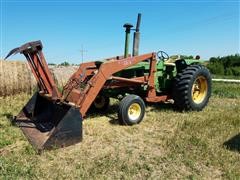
(48, 124)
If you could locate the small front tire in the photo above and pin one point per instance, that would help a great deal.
(131, 110)
(101, 103)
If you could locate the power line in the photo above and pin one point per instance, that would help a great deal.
(82, 51)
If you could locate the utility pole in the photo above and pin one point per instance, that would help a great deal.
(82, 52)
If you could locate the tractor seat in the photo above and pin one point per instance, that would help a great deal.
(170, 62)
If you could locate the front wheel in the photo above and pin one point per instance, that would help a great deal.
(192, 88)
(131, 110)
(101, 103)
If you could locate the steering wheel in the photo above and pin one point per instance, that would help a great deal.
(162, 55)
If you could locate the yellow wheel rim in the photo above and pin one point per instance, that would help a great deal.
(99, 102)
(199, 89)
(134, 111)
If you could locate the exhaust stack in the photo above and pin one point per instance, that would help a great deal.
(136, 38)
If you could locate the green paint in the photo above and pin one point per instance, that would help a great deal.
(127, 38)
(164, 76)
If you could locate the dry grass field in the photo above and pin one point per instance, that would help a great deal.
(166, 145)
(16, 76)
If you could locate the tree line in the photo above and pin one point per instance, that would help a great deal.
(227, 65)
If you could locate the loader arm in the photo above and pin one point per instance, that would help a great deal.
(84, 98)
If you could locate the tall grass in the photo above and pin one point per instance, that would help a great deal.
(214, 76)
(228, 90)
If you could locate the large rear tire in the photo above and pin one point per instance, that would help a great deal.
(131, 110)
(192, 88)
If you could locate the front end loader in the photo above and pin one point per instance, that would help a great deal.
(53, 119)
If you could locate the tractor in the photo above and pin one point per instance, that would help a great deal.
(53, 118)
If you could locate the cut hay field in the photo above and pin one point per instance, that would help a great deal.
(166, 145)
(16, 77)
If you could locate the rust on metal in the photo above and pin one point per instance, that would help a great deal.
(48, 124)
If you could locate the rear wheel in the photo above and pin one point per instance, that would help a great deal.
(131, 110)
(199, 89)
(192, 88)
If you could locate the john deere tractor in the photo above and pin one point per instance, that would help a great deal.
(185, 81)
(54, 119)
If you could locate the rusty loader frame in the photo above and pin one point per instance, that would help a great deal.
(100, 77)
(50, 119)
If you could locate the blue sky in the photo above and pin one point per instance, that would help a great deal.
(208, 28)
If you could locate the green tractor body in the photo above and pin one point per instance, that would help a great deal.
(185, 81)
(165, 71)
(165, 74)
